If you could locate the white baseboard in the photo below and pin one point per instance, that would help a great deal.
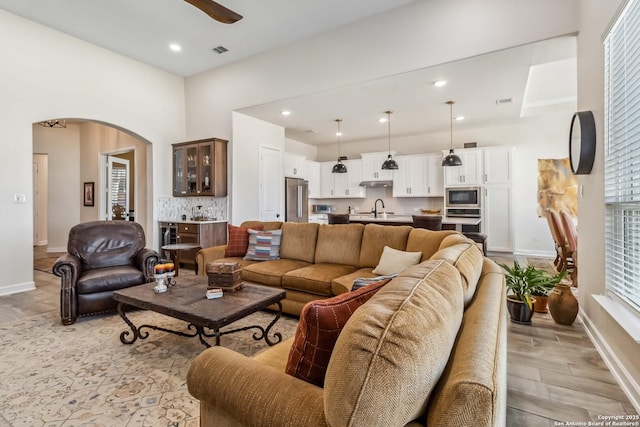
(61, 249)
(535, 254)
(17, 287)
(630, 387)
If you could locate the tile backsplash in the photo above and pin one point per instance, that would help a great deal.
(172, 208)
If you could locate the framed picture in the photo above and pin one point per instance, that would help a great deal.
(88, 194)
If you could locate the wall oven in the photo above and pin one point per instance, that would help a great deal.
(463, 197)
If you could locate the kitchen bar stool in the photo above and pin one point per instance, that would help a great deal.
(479, 238)
(338, 218)
(430, 222)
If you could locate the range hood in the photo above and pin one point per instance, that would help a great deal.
(388, 184)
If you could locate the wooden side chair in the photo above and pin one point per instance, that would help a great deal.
(566, 254)
(557, 239)
(571, 234)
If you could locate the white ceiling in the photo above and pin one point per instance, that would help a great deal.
(143, 29)
(539, 78)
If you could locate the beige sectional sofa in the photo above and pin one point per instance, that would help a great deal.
(429, 348)
(320, 261)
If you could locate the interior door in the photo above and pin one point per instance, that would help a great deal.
(271, 188)
(117, 188)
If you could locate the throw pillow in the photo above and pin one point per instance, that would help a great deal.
(361, 282)
(238, 241)
(263, 245)
(394, 261)
(320, 325)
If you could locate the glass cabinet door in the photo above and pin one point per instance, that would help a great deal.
(206, 168)
(192, 169)
(179, 173)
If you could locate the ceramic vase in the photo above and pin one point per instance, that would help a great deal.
(519, 312)
(541, 304)
(563, 305)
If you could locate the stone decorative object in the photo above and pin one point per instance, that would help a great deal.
(563, 305)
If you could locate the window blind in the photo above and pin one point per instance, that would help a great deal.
(622, 156)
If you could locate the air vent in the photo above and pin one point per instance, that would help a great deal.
(504, 101)
(220, 49)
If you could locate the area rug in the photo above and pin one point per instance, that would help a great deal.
(54, 375)
(44, 264)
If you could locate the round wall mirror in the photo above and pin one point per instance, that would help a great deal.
(582, 142)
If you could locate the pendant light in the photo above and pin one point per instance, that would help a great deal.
(389, 164)
(451, 159)
(339, 167)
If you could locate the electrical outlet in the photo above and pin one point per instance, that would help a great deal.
(19, 198)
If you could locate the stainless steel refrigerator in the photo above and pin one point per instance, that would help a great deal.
(296, 200)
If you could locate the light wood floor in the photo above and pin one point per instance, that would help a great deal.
(554, 372)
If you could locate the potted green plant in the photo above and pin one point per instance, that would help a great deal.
(522, 285)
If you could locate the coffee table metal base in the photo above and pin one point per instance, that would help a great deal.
(198, 331)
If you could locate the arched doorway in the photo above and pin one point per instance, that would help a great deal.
(76, 155)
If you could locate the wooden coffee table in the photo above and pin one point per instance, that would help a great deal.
(186, 301)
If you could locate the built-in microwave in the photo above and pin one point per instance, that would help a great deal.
(321, 209)
(463, 197)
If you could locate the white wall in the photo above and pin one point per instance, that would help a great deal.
(41, 207)
(65, 189)
(249, 134)
(621, 352)
(97, 141)
(51, 75)
(296, 147)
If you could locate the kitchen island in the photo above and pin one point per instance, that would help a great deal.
(454, 222)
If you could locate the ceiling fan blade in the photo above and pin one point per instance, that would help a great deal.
(216, 11)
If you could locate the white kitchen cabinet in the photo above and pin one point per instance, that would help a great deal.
(498, 217)
(435, 176)
(372, 167)
(326, 180)
(295, 166)
(410, 180)
(418, 176)
(470, 173)
(341, 185)
(319, 218)
(313, 177)
(498, 162)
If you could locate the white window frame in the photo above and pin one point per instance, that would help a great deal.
(622, 160)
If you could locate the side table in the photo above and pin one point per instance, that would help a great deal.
(175, 249)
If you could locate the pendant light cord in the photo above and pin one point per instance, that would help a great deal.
(389, 129)
(339, 134)
(451, 123)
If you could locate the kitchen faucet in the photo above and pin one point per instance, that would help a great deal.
(375, 207)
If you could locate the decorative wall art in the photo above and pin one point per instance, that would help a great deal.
(88, 194)
(557, 186)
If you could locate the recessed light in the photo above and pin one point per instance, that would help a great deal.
(458, 118)
(175, 47)
(382, 120)
(286, 113)
(338, 133)
(439, 83)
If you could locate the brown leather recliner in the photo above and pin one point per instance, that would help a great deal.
(103, 256)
